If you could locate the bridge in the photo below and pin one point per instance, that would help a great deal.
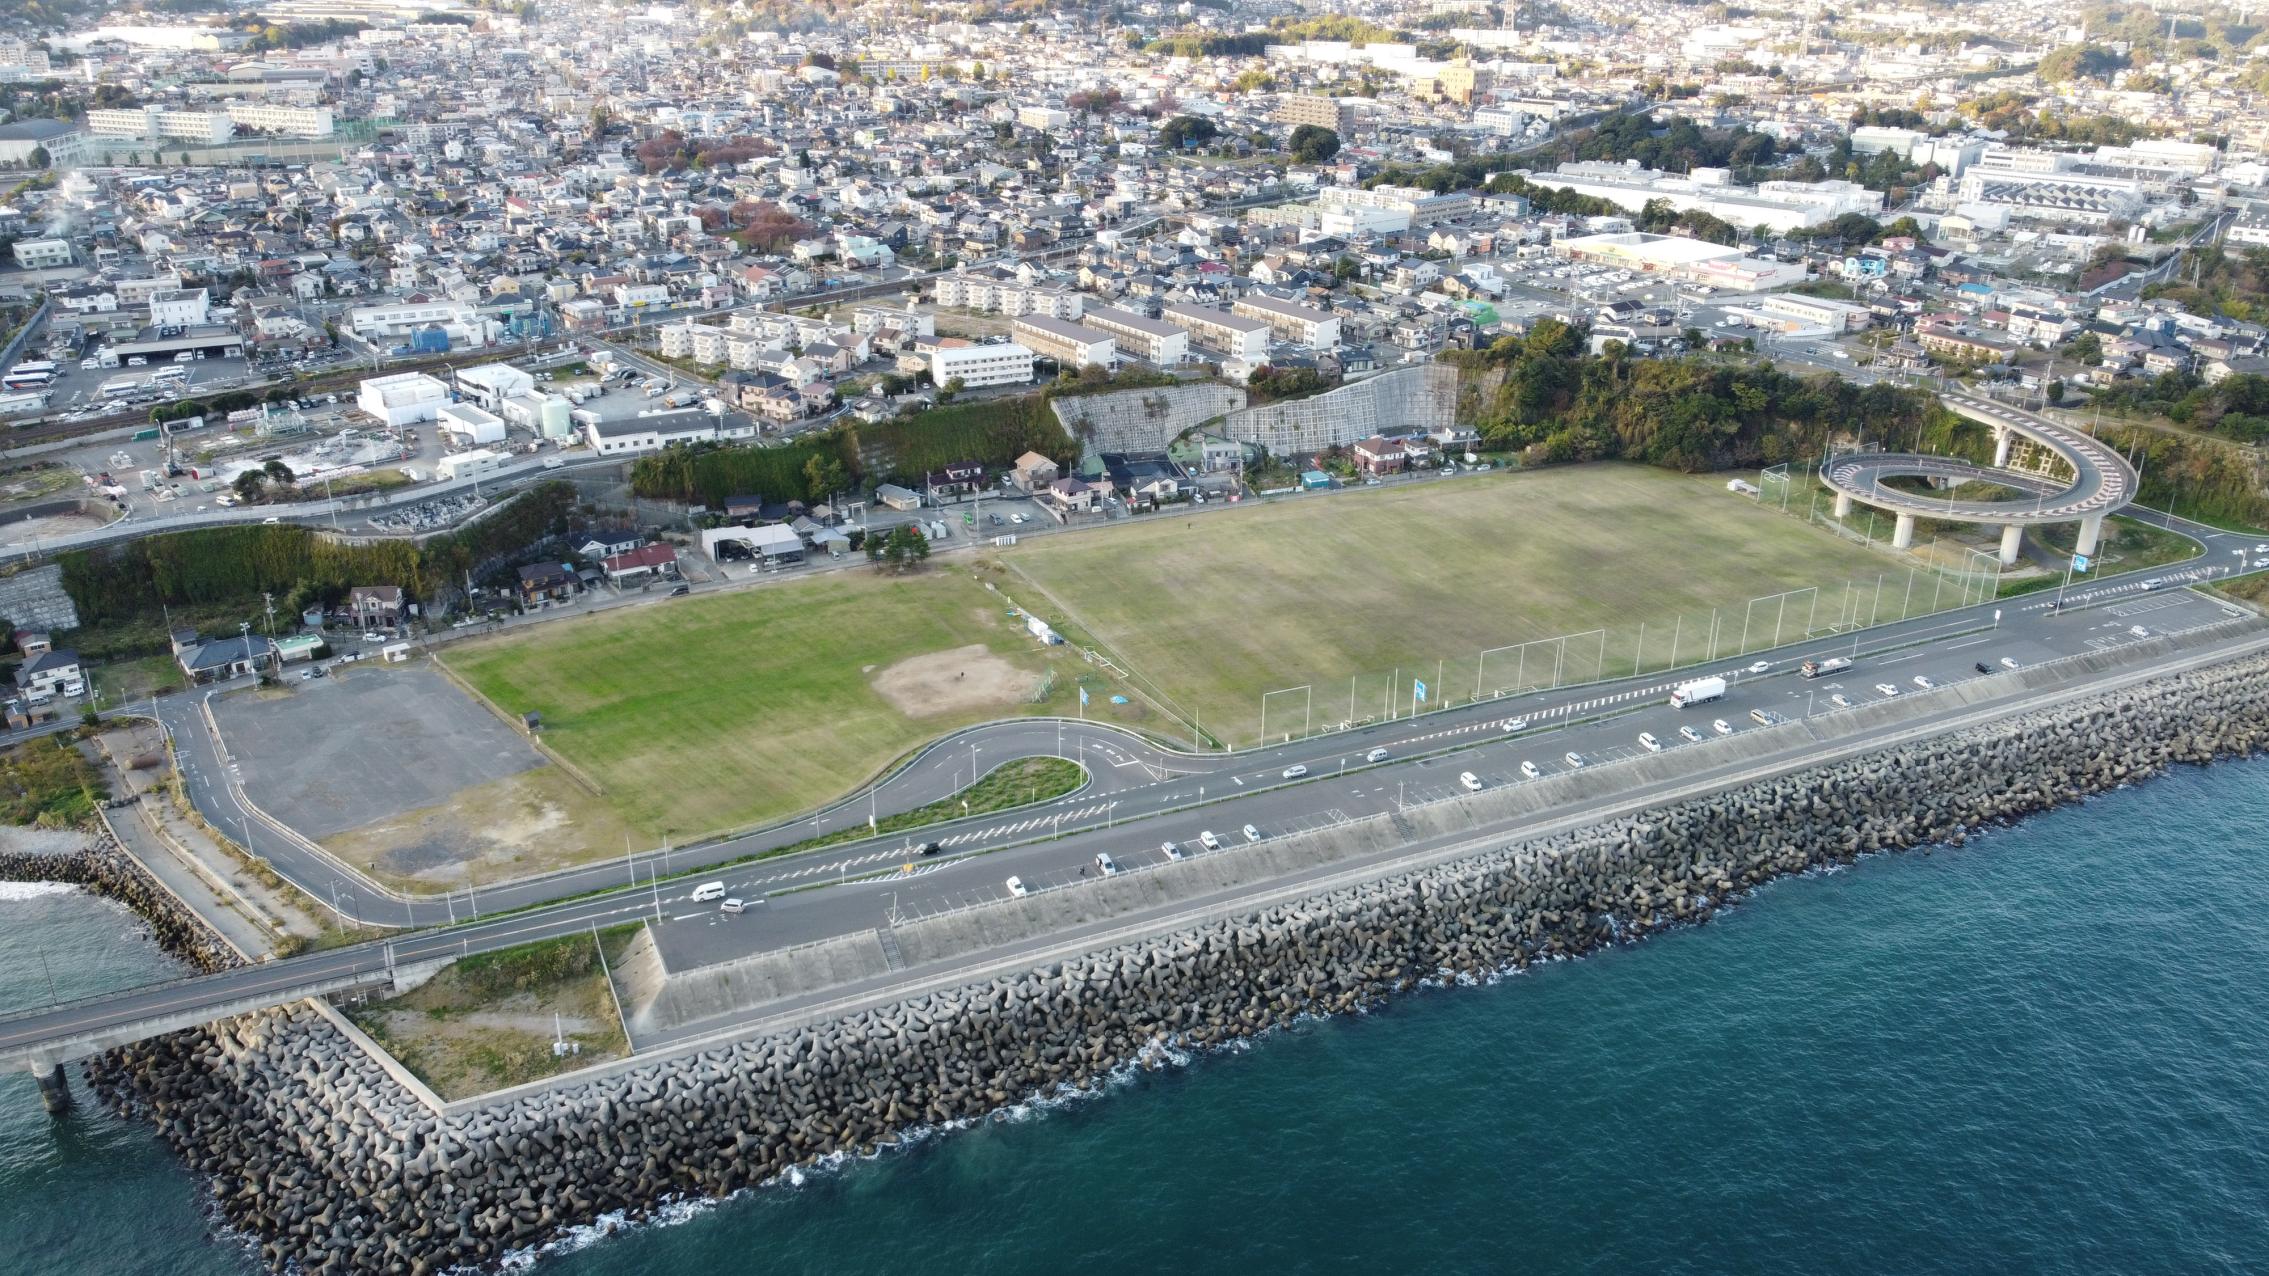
(2072, 478)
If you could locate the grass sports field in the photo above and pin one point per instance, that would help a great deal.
(1354, 595)
(703, 714)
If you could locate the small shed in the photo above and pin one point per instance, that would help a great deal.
(1315, 480)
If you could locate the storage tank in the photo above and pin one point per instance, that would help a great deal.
(556, 422)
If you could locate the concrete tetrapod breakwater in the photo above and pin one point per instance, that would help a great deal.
(313, 1149)
(97, 864)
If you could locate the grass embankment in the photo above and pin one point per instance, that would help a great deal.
(1355, 595)
(716, 713)
(48, 782)
(487, 1022)
(2252, 589)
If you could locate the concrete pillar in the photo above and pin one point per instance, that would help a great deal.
(1902, 535)
(54, 1087)
(2012, 537)
(2091, 533)
(1843, 505)
(2002, 436)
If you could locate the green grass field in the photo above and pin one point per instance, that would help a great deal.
(712, 713)
(1354, 595)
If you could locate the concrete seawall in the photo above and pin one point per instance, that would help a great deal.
(99, 865)
(334, 1166)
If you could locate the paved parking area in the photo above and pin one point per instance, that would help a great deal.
(365, 744)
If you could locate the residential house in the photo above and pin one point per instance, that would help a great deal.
(1071, 496)
(1034, 472)
(223, 658)
(646, 560)
(956, 480)
(49, 672)
(541, 581)
(375, 606)
(1380, 455)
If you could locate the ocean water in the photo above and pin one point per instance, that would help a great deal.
(2045, 1052)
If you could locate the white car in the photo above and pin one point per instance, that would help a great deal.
(1762, 666)
(1649, 743)
(1016, 888)
(1924, 683)
(1575, 759)
(374, 637)
(1516, 724)
(1252, 834)
(1886, 688)
(1016, 518)
(1209, 841)
(1103, 862)
(1173, 851)
(1294, 772)
(1375, 755)
(2007, 663)
(1471, 781)
(733, 906)
(1689, 735)
(1529, 769)
(1722, 727)
(2261, 549)
(1840, 700)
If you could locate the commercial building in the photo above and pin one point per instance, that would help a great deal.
(178, 307)
(468, 425)
(42, 254)
(1150, 340)
(405, 398)
(1003, 363)
(1289, 321)
(1779, 206)
(1389, 208)
(630, 435)
(467, 464)
(157, 124)
(1068, 343)
(1219, 331)
(1818, 312)
(401, 318)
(491, 384)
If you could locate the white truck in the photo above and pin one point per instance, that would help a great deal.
(1822, 668)
(1699, 691)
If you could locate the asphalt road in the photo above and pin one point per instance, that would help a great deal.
(2102, 480)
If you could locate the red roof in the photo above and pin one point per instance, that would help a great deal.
(645, 556)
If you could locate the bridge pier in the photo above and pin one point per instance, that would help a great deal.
(2012, 539)
(54, 1087)
(1902, 533)
(2003, 436)
(1843, 505)
(2091, 533)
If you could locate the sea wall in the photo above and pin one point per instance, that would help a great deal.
(96, 863)
(316, 1152)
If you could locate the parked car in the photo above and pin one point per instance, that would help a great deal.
(1173, 850)
(1471, 781)
(2007, 663)
(1649, 743)
(1886, 689)
(1252, 834)
(1980, 666)
(1924, 683)
(1722, 727)
(1575, 760)
(374, 637)
(1016, 888)
(1529, 769)
(1105, 865)
(1689, 735)
(1209, 841)
(1840, 700)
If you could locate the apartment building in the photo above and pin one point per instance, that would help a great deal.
(1070, 344)
(64, 142)
(1221, 332)
(285, 121)
(1003, 363)
(1298, 324)
(1296, 109)
(400, 318)
(179, 307)
(696, 341)
(1150, 340)
(1007, 297)
(42, 254)
(1818, 312)
(157, 124)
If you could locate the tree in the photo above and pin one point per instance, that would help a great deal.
(251, 483)
(951, 390)
(2056, 391)
(40, 158)
(1313, 144)
(823, 478)
(280, 472)
(2088, 348)
(1186, 131)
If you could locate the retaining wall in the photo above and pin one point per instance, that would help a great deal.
(315, 1151)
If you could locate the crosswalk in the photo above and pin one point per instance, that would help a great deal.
(1554, 711)
(1030, 825)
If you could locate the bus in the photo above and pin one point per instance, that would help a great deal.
(120, 387)
(33, 366)
(169, 373)
(20, 379)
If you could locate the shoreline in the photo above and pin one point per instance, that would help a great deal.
(332, 1166)
(100, 866)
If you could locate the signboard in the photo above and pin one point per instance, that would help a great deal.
(2079, 562)
(1419, 689)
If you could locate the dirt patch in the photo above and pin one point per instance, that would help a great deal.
(955, 681)
(528, 823)
(49, 526)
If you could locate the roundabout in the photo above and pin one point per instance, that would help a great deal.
(2071, 478)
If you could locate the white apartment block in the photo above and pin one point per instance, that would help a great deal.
(394, 319)
(1301, 325)
(43, 254)
(178, 307)
(156, 124)
(698, 342)
(1818, 312)
(1221, 332)
(1149, 340)
(1006, 363)
(287, 121)
(1007, 297)
(137, 292)
(1071, 344)
(1043, 117)
(868, 320)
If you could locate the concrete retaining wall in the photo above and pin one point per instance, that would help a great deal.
(1144, 420)
(317, 1152)
(1420, 398)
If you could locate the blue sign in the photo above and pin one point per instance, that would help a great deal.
(1420, 688)
(2079, 562)
(1083, 697)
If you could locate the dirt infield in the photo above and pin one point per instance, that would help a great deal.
(955, 681)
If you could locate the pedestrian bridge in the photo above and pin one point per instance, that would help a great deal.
(2084, 481)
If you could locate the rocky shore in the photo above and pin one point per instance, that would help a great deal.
(314, 1151)
(96, 863)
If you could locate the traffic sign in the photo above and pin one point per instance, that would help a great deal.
(2079, 562)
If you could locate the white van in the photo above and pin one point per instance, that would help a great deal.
(732, 906)
(707, 891)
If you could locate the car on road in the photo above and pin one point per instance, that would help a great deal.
(1982, 667)
(1840, 700)
(1294, 772)
(1515, 724)
(1689, 735)
(2138, 631)
(1649, 743)
(374, 637)
(2007, 663)
(1471, 781)
(1209, 841)
(1529, 769)
(307, 675)
(270, 521)
(1574, 759)
(732, 905)
(1252, 834)
(1924, 683)
(1886, 689)
(1375, 755)
(2261, 549)
(681, 591)
(1762, 666)
(1173, 850)
(707, 891)
(932, 848)
(1722, 727)
(1016, 888)
(1104, 864)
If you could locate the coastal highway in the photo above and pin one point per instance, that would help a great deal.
(1132, 778)
(1261, 796)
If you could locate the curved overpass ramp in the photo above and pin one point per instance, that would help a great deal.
(2100, 481)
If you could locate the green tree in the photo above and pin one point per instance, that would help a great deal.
(2088, 348)
(251, 483)
(1313, 144)
(279, 472)
(40, 159)
(823, 478)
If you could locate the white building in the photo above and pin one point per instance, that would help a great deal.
(1290, 321)
(1219, 331)
(1070, 344)
(1006, 296)
(178, 307)
(468, 425)
(491, 384)
(157, 124)
(285, 121)
(628, 435)
(64, 142)
(466, 464)
(1818, 312)
(1150, 340)
(401, 318)
(1778, 206)
(1004, 363)
(405, 398)
(42, 254)
(1043, 118)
